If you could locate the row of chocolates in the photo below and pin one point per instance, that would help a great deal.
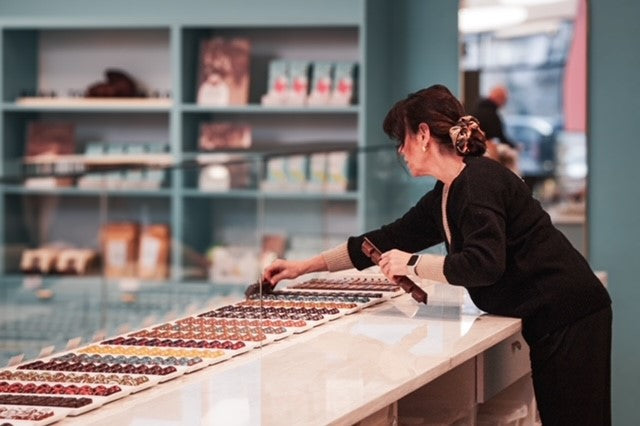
(37, 376)
(58, 389)
(121, 359)
(178, 343)
(44, 401)
(154, 370)
(145, 351)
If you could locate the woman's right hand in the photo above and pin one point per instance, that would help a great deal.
(282, 269)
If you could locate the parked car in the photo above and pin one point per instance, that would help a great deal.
(536, 140)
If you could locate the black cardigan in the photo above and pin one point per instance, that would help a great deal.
(504, 249)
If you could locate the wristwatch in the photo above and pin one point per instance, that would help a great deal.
(413, 263)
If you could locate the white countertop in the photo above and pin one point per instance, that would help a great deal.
(337, 373)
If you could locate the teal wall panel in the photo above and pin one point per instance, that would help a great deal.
(614, 194)
(423, 42)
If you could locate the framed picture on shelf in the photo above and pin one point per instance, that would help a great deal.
(223, 74)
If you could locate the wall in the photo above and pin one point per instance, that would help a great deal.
(423, 43)
(614, 194)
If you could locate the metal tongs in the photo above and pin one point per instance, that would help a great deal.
(261, 286)
(369, 249)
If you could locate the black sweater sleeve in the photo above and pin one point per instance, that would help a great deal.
(477, 208)
(416, 230)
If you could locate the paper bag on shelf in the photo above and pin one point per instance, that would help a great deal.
(153, 254)
(120, 249)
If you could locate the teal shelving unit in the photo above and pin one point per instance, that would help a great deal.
(69, 51)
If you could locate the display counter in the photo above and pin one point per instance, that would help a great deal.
(340, 372)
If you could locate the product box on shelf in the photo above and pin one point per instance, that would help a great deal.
(337, 171)
(344, 84)
(321, 83)
(224, 72)
(224, 135)
(317, 172)
(278, 83)
(299, 87)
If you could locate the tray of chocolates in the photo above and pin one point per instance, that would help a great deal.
(361, 299)
(189, 364)
(252, 330)
(280, 329)
(313, 316)
(22, 415)
(232, 347)
(127, 382)
(106, 393)
(162, 373)
(76, 404)
(227, 333)
(208, 356)
(348, 284)
(338, 308)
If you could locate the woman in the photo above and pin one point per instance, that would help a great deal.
(501, 246)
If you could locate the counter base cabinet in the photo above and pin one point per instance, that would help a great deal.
(449, 399)
(493, 386)
(501, 366)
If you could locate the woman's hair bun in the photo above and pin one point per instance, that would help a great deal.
(467, 137)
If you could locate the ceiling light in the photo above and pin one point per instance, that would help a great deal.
(489, 18)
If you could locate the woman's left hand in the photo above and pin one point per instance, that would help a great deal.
(394, 263)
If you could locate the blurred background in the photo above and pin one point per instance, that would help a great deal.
(151, 162)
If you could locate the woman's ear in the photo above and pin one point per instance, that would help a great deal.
(423, 131)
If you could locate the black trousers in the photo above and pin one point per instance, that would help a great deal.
(571, 371)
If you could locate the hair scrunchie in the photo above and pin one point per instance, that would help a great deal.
(462, 131)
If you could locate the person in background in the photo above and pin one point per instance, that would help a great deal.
(501, 246)
(487, 114)
(499, 146)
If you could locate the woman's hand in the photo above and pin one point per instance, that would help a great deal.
(394, 263)
(282, 269)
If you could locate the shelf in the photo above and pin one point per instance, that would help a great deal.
(280, 195)
(234, 193)
(74, 191)
(63, 56)
(259, 109)
(141, 105)
(103, 160)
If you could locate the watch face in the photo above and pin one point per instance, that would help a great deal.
(412, 260)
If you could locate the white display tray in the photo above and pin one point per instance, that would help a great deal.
(58, 414)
